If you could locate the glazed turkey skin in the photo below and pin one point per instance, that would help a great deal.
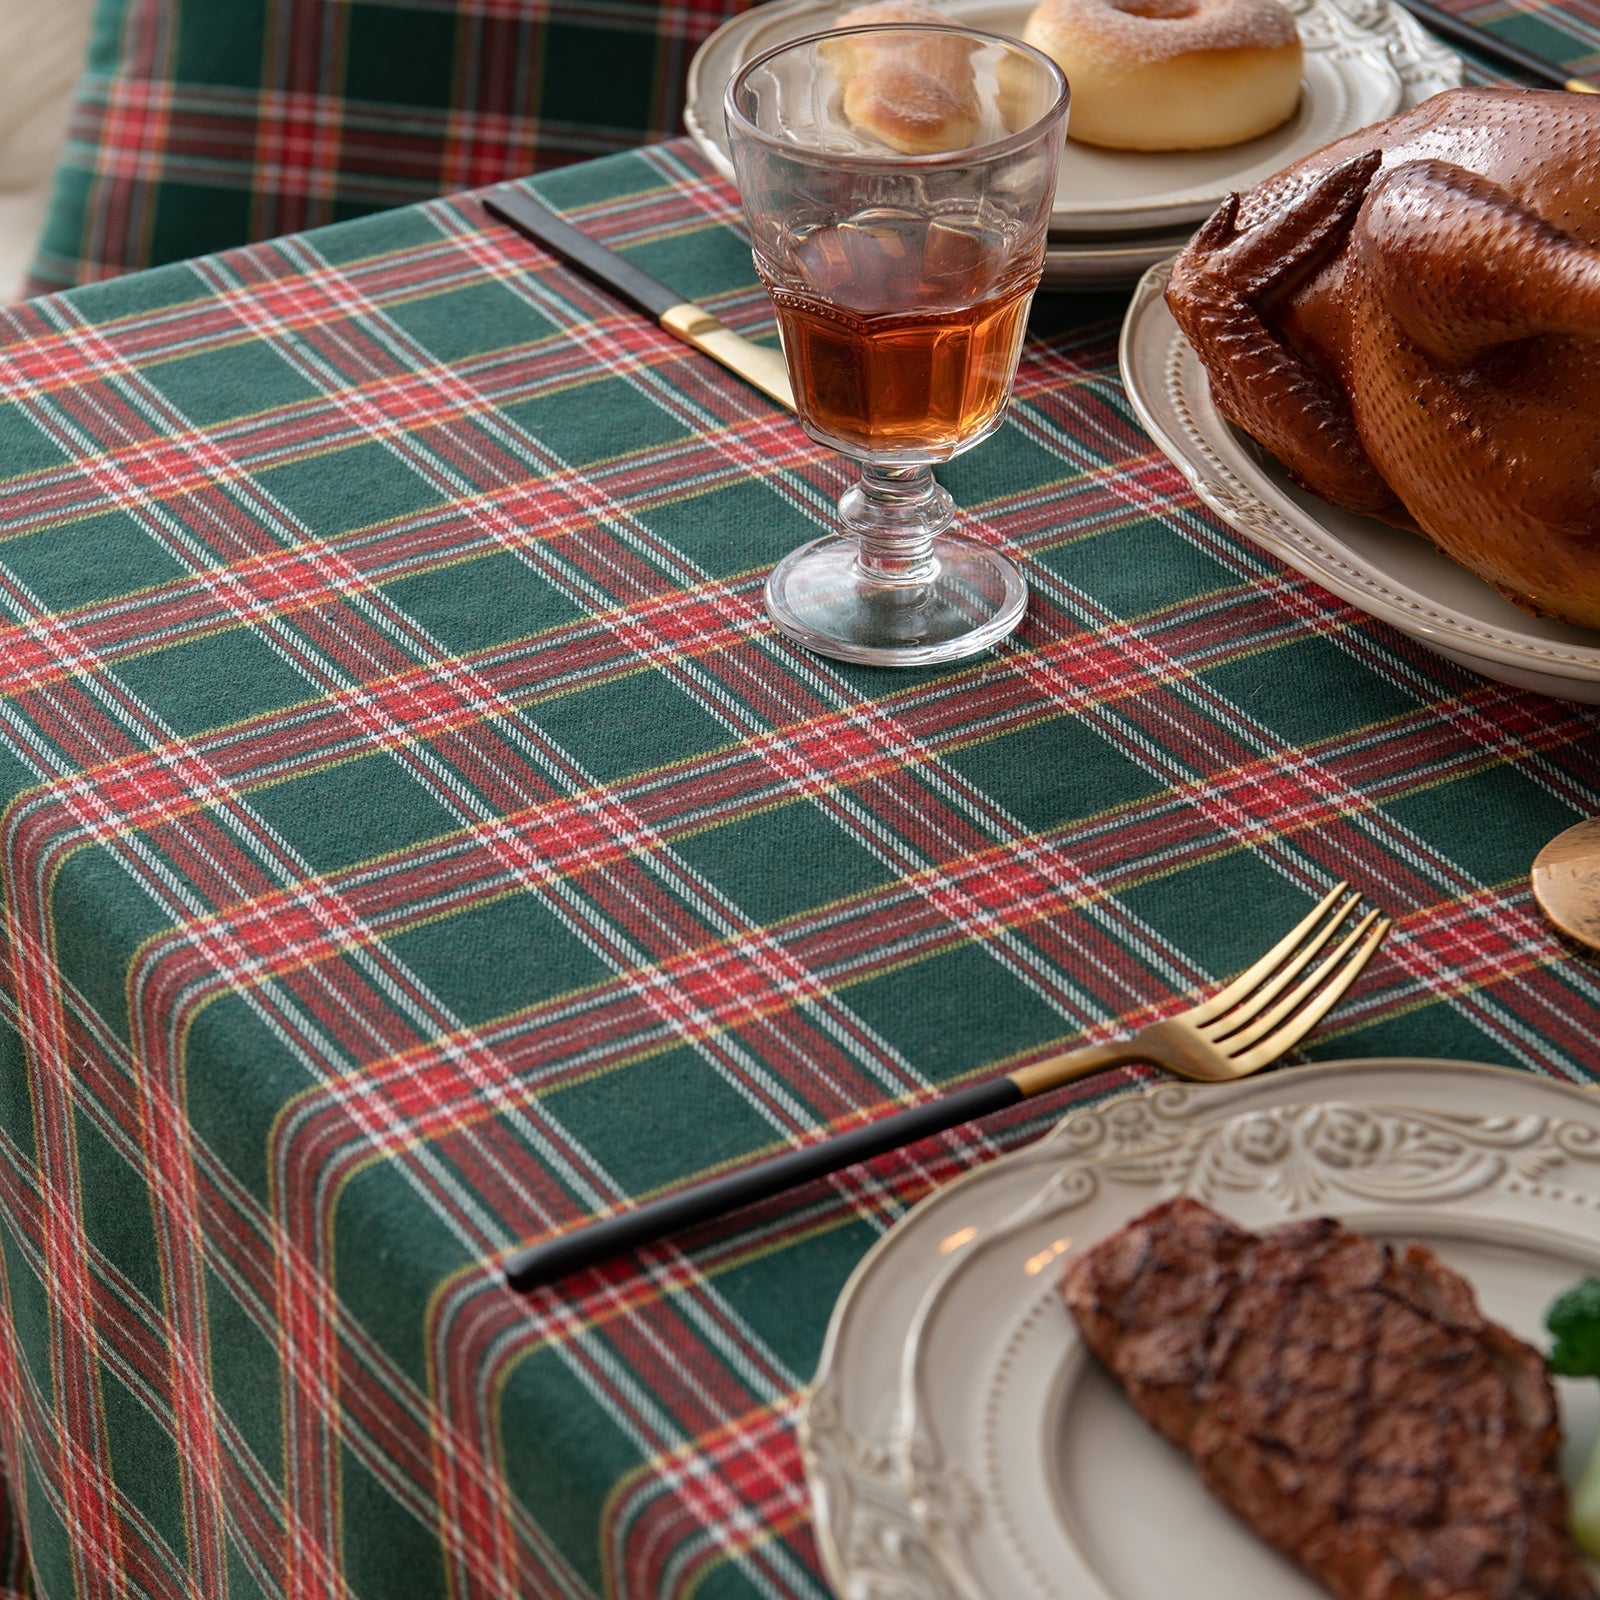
(1409, 319)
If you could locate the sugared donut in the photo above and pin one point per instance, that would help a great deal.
(915, 92)
(1172, 74)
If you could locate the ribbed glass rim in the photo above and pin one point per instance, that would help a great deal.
(938, 158)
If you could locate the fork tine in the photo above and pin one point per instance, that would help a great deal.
(1235, 1037)
(1297, 1026)
(1225, 999)
(1254, 1005)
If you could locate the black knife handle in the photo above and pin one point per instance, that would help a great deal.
(583, 1246)
(597, 263)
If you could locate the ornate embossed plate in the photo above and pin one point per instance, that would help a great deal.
(1386, 572)
(872, 1546)
(1033, 1478)
(1364, 59)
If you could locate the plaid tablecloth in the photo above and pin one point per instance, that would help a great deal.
(1565, 32)
(415, 838)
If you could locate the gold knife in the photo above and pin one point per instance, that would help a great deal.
(756, 364)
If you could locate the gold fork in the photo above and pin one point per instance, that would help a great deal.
(1242, 1028)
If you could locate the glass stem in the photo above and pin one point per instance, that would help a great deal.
(894, 512)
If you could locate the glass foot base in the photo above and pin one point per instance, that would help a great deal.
(819, 596)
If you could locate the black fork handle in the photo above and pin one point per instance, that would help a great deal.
(592, 1242)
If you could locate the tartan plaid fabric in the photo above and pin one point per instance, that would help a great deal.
(415, 839)
(199, 126)
(1566, 34)
(202, 124)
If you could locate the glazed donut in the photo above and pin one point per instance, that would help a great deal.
(1172, 74)
(917, 95)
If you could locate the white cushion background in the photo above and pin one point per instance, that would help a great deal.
(41, 51)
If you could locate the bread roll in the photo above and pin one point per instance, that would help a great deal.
(1172, 74)
(915, 93)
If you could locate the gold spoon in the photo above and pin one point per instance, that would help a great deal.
(1566, 882)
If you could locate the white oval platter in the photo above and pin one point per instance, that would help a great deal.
(1386, 572)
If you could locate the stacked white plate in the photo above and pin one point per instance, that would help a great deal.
(959, 1443)
(1119, 212)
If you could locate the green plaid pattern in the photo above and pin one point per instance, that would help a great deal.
(202, 124)
(416, 839)
(199, 126)
(1566, 35)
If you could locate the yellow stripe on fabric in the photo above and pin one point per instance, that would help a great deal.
(683, 1031)
(718, 1556)
(703, 1444)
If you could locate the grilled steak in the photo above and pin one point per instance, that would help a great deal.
(1349, 1402)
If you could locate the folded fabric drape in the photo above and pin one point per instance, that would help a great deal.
(203, 124)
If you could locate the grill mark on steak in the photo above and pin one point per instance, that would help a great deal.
(1349, 1402)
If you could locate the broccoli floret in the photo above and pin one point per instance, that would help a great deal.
(1574, 1319)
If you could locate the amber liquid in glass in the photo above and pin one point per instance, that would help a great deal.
(906, 340)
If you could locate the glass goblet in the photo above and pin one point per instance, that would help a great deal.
(897, 182)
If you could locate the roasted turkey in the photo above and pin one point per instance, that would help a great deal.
(1409, 319)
